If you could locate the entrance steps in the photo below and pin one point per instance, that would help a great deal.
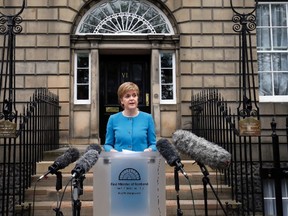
(45, 195)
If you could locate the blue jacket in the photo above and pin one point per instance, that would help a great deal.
(130, 133)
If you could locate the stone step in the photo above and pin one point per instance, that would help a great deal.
(49, 193)
(188, 207)
(189, 167)
(53, 154)
(195, 178)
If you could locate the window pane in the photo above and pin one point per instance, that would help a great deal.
(124, 6)
(167, 78)
(263, 39)
(264, 62)
(263, 15)
(166, 60)
(285, 196)
(269, 197)
(86, 28)
(281, 83)
(82, 92)
(279, 38)
(166, 75)
(92, 20)
(163, 28)
(114, 5)
(82, 60)
(270, 206)
(167, 92)
(278, 14)
(142, 9)
(82, 76)
(265, 85)
(280, 62)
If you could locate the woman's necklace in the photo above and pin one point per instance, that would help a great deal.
(130, 114)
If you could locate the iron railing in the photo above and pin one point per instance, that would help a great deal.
(214, 120)
(38, 131)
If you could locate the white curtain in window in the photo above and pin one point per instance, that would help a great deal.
(285, 196)
(272, 40)
(269, 197)
(263, 23)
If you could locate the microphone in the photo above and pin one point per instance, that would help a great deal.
(95, 147)
(201, 150)
(69, 156)
(171, 155)
(85, 163)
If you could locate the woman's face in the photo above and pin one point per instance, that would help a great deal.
(130, 100)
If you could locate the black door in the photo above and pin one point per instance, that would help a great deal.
(114, 70)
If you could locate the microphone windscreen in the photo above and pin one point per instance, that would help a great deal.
(201, 150)
(87, 161)
(95, 147)
(69, 156)
(168, 151)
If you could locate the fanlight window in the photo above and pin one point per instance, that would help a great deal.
(124, 17)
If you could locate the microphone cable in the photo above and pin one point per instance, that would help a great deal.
(191, 193)
(218, 176)
(33, 198)
(57, 209)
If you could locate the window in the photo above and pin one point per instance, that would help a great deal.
(272, 50)
(285, 196)
(82, 79)
(167, 78)
(270, 199)
(124, 17)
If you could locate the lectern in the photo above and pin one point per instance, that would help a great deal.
(129, 184)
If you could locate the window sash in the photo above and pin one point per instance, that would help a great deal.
(167, 78)
(82, 78)
(272, 49)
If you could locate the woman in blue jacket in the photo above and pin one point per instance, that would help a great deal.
(130, 129)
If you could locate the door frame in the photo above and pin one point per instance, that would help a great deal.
(91, 112)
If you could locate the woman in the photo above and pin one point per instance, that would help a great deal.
(130, 129)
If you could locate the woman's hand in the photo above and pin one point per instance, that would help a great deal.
(113, 150)
(148, 150)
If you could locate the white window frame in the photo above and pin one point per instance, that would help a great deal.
(168, 101)
(77, 101)
(273, 98)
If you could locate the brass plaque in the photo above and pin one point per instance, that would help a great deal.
(7, 129)
(147, 99)
(250, 127)
(112, 109)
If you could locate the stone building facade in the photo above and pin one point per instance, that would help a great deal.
(198, 37)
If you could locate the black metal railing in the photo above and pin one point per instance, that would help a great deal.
(37, 131)
(213, 120)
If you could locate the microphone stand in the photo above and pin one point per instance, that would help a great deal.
(206, 181)
(77, 191)
(58, 188)
(177, 188)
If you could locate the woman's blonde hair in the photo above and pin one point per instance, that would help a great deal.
(125, 87)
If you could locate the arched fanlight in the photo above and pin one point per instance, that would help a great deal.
(124, 17)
